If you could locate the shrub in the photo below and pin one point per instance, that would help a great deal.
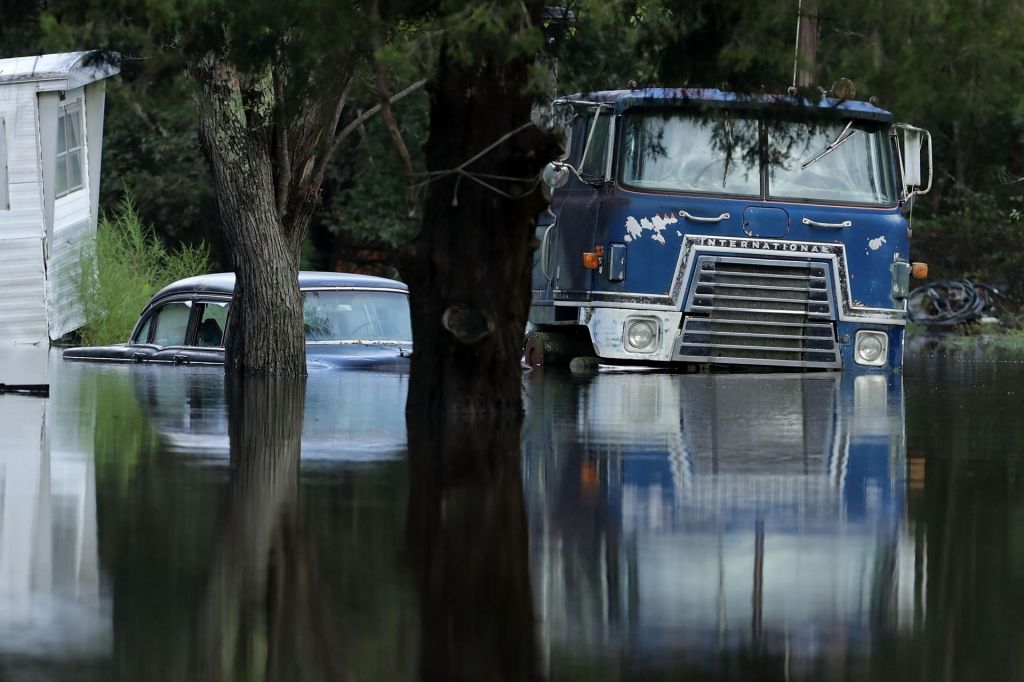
(122, 268)
(975, 235)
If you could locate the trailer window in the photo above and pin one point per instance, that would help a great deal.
(689, 153)
(69, 150)
(858, 170)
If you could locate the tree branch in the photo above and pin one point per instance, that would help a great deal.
(373, 111)
(384, 93)
(359, 120)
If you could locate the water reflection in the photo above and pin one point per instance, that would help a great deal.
(721, 522)
(53, 605)
(349, 416)
(261, 615)
(641, 526)
(467, 544)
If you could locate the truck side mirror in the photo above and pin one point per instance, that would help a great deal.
(555, 175)
(915, 141)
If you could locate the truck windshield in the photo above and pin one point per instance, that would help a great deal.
(857, 170)
(689, 153)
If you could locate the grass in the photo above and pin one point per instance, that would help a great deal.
(122, 268)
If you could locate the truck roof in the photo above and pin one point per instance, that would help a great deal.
(661, 97)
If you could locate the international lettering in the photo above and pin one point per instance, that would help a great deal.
(766, 245)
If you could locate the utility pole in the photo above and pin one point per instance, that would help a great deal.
(806, 50)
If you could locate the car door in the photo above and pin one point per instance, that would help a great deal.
(191, 332)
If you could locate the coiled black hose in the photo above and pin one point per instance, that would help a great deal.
(944, 304)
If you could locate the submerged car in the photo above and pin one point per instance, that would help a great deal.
(353, 321)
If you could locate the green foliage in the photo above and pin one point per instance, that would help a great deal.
(696, 43)
(951, 67)
(973, 235)
(363, 192)
(121, 270)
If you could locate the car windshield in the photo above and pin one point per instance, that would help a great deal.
(856, 170)
(356, 315)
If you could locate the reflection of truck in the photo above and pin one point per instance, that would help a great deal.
(678, 522)
(701, 226)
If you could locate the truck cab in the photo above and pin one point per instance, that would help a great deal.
(705, 227)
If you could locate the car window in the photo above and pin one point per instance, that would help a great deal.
(143, 335)
(171, 323)
(212, 321)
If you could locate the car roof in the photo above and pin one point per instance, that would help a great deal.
(224, 283)
(626, 99)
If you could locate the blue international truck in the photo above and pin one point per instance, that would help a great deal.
(703, 227)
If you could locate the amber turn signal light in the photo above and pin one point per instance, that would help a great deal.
(919, 270)
(592, 259)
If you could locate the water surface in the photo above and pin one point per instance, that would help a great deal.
(156, 524)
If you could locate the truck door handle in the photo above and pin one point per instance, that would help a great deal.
(180, 359)
(138, 357)
(703, 219)
(827, 226)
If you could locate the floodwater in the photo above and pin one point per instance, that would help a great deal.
(644, 526)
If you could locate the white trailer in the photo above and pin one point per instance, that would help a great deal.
(51, 141)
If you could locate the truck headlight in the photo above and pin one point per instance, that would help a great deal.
(641, 335)
(871, 348)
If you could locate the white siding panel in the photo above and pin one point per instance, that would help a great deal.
(25, 217)
(24, 149)
(23, 304)
(71, 209)
(65, 259)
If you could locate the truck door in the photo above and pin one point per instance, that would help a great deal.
(581, 207)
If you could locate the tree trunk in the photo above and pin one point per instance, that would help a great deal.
(806, 44)
(264, 332)
(469, 268)
(467, 537)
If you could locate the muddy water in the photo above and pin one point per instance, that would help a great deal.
(157, 525)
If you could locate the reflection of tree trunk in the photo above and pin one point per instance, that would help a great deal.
(260, 604)
(467, 538)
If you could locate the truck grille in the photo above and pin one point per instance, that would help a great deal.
(760, 312)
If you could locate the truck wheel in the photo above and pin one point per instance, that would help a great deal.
(554, 349)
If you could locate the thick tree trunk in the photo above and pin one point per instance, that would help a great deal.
(467, 537)
(469, 269)
(264, 332)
